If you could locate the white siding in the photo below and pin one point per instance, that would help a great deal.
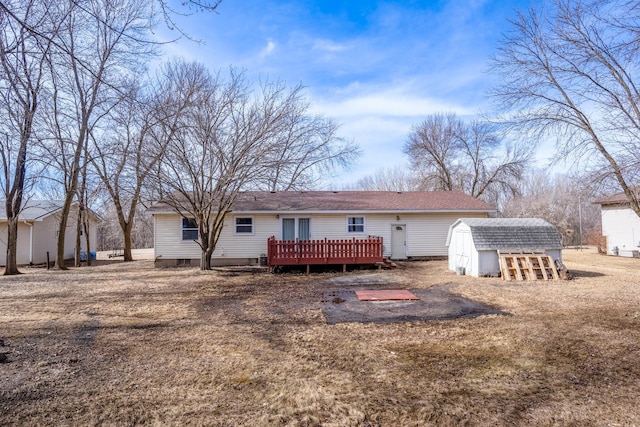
(168, 243)
(426, 233)
(621, 226)
(23, 244)
(44, 240)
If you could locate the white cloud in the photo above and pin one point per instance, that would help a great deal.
(329, 46)
(379, 119)
(385, 103)
(268, 49)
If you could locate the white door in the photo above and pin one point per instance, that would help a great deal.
(463, 250)
(399, 241)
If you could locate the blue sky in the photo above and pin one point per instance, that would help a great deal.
(376, 67)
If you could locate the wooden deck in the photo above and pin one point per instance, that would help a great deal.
(319, 252)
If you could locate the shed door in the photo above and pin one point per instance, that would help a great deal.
(463, 250)
(399, 241)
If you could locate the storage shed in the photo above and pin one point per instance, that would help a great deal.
(474, 243)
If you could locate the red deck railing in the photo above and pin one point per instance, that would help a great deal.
(313, 252)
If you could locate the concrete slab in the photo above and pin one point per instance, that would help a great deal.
(435, 303)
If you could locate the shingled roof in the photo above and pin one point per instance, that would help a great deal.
(35, 210)
(619, 199)
(512, 234)
(352, 201)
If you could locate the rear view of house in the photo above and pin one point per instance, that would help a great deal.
(474, 243)
(411, 224)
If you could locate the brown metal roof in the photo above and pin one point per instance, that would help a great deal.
(419, 201)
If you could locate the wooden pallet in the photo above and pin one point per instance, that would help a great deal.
(527, 266)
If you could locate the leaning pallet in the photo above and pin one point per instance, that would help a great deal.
(527, 266)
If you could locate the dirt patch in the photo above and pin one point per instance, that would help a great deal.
(435, 303)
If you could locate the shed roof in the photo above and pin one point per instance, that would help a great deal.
(512, 234)
(35, 210)
(352, 201)
(38, 210)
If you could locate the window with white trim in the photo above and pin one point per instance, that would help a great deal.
(244, 225)
(189, 229)
(355, 224)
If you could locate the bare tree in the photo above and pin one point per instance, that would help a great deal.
(398, 178)
(185, 8)
(569, 71)
(309, 150)
(229, 140)
(565, 201)
(103, 40)
(448, 154)
(22, 79)
(164, 8)
(143, 124)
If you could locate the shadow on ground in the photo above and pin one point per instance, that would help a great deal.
(436, 303)
(585, 273)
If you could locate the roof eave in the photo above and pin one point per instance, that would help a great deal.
(337, 211)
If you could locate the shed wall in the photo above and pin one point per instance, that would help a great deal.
(488, 263)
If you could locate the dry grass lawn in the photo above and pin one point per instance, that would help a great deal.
(125, 344)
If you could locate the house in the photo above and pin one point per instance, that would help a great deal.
(620, 226)
(412, 224)
(474, 242)
(37, 231)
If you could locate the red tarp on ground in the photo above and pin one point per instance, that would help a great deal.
(385, 295)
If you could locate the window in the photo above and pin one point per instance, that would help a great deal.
(355, 224)
(244, 225)
(189, 229)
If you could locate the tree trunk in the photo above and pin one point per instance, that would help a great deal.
(87, 237)
(128, 226)
(78, 246)
(205, 259)
(11, 267)
(62, 231)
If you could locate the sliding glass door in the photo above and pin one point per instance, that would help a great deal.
(296, 228)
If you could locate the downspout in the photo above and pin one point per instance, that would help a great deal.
(30, 241)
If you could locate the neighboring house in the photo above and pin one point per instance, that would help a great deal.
(412, 224)
(474, 242)
(620, 226)
(37, 231)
